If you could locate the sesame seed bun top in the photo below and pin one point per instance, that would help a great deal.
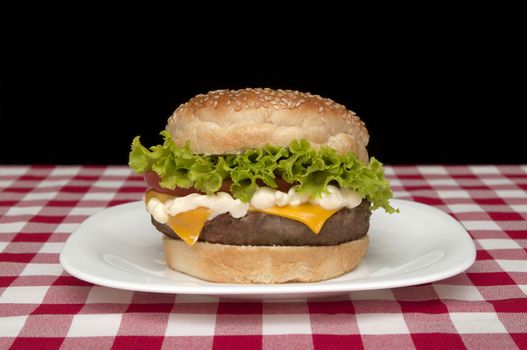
(230, 121)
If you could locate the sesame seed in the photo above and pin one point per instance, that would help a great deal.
(275, 100)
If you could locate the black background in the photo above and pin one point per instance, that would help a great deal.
(78, 85)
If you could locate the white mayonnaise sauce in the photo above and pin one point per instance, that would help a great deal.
(263, 198)
(219, 203)
(335, 198)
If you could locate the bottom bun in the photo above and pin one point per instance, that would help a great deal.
(263, 264)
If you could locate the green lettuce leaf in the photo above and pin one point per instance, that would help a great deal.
(311, 170)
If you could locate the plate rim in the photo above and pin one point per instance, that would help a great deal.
(223, 289)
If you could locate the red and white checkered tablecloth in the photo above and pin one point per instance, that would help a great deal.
(42, 307)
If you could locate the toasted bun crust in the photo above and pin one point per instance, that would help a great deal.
(263, 264)
(229, 121)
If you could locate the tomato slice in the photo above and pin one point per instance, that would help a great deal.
(152, 182)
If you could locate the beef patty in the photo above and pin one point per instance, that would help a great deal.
(265, 229)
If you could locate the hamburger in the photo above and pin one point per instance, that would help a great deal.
(262, 186)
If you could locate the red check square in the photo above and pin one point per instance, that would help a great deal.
(37, 343)
(428, 307)
(491, 279)
(237, 342)
(55, 309)
(131, 342)
(504, 216)
(150, 308)
(510, 305)
(329, 342)
(335, 307)
(239, 308)
(438, 341)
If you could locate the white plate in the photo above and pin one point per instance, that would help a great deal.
(119, 248)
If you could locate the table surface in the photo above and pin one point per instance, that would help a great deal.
(41, 306)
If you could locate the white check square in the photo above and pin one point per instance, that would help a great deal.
(432, 169)
(40, 195)
(24, 295)
(401, 194)
(375, 294)
(12, 227)
(490, 244)
(388, 170)
(95, 325)
(286, 324)
(16, 170)
(442, 182)
(477, 322)
(23, 210)
(513, 265)
(480, 225)
(52, 183)
(464, 208)
(484, 169)
(104, 295)
(520, 208)
(395, 182)
(116, 171)
(66, 170)
(511, 193)
(455, 292)
(189, 325)
(5, 183)
(42, 270)
(382, 323)
(108, 184)
(11, 326)
(51, 247)
(66, 228)
(499, 181)
(453, 194)
(85, 210)
(102, 196)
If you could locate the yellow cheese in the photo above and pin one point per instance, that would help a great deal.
(188, 225)
(313, 216)
(162, 197)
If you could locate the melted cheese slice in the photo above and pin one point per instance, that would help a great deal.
(162, 197)
(188, 225)
(313, 216)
